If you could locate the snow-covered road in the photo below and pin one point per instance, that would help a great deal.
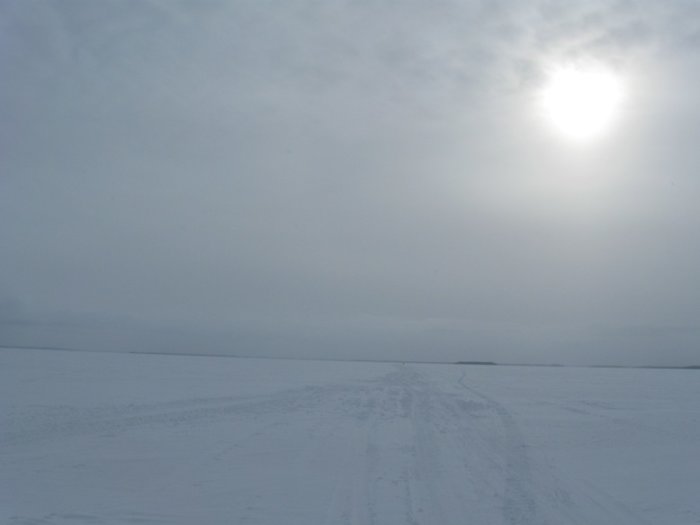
(110, 438)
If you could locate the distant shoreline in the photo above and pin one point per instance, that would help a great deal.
(288, 358)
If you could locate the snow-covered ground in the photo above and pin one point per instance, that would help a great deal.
(92, 438)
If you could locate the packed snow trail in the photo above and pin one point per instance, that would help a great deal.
(344, 444)
(403, 451)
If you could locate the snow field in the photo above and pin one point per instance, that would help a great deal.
(127, 438)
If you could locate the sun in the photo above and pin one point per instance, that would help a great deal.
(582, 103)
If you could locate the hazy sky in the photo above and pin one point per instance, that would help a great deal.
(348, 178)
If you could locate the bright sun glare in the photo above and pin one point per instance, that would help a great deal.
(582, 102)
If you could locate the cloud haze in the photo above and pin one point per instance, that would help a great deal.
(346, 179)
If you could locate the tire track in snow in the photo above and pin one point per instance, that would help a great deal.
(352, 500)
(519, 501)
(524, 493)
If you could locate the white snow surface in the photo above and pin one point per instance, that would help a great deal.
(97, 438)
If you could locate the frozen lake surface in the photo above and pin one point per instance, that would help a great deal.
(93, 438)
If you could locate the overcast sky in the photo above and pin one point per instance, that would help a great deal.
(348, 179)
